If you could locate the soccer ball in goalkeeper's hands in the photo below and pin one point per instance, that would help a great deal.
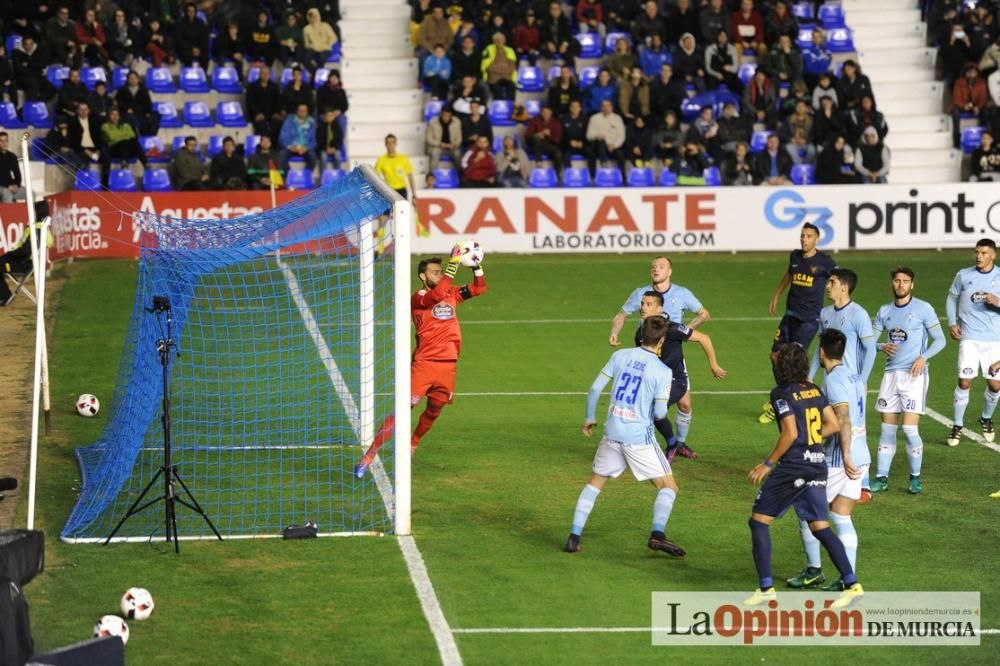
(111, 625)
(88, 405)
(137, 604)
(472, 253)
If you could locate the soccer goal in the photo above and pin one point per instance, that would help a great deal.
(292, 344)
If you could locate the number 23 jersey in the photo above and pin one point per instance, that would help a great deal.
(638, 380)
(804, 401)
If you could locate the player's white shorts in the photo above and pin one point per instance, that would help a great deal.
(975, 356)
(645, 460)
(839, 484)
(902, 392)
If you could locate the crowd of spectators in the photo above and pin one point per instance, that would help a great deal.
(98, 125)
(637, 109)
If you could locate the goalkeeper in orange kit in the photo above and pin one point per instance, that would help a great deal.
(439, 343)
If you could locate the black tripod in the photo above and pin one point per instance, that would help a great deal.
(168, 470)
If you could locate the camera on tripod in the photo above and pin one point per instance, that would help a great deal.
(161, 304)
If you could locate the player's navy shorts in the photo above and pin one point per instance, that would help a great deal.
(792, 329)
(799, 486)
(678, 387)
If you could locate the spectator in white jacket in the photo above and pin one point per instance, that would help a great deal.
(444, 137)
(606, 134)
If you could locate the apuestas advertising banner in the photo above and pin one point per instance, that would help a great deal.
(13, 219)
(709, 219)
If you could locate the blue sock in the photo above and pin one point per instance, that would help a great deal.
(886, 448)
(583, 507)
(961, 402)
(662, 507)
(914, 448)
(848, 536)
(989, 406)
(810, 545)
(760, 537)
(838, 555)
(665, 428)
(683, 425)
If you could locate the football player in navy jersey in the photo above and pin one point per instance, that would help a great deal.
(806, 276)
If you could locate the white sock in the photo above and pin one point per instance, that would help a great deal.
(811, 545)
(961, 402)
(584, 505)
(914, 448)
(991, 403)
(886, 448)
(848, 537)
(662, 507)
(683, 420)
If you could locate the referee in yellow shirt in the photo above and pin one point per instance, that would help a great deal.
(395, 169)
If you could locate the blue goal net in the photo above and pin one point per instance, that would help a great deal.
(283, 323)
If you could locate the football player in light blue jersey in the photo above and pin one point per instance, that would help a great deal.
(676, 300)
(640, 388)
(854, 322)
(847, 457)
(909, 322)
(973, 309)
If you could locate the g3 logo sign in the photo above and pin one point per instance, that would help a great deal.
(787, 209)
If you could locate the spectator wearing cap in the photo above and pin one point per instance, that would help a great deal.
(772, 166)
(528, 38)
(746, 26)
(816, 58)
(603, 88)
(862, 117)
(479, 168)
(436, 73)
(290, 39)
(689, 62)
(871, 158)
(332, 95)
(780, 22)
(444, 137)
(563, 91)
(557, 36)
(543, 137)
(985, 160)
(606, 134)
(714, 18)
(262, 45)
(229, 169)
(648, 23)
(633, 96)
(512, 164)
(968, 96)
(722, 62)
(298, 138)
(853, 85)
(329, 138)
(317, 39)
(60, 39)
(476, 124)
(759, 99)
(590, 17)
(265, 105)
(499, 68)
(191, 38)
(297, 92)
(835, 163)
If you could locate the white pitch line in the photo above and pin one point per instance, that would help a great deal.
(599, 630)
(491, 394)
(974, 436)
(444, 635)
(602, 320)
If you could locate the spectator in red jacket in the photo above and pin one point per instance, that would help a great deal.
(528, 38)
(969, 96)
(746, 27)
(479, 169)
(544, 136)
(90, 37)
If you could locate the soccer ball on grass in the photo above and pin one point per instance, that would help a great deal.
(472, 253)
(137, 604)
(111, 625)
(88, 405)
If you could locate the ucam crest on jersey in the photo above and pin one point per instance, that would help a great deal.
(443, 311)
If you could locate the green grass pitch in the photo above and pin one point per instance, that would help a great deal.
(494, 487)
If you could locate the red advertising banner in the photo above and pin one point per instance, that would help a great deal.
(13, 220)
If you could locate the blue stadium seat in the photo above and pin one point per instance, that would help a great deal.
(641, 177)
(226, 80)
(612, 39)
(804, 174)
(87, 180)
(668, 178)
(576, 177)
(500, 113)
(543, 177)
(152, 147)
(156, 180)
(194, 80)
(335, 54)
(254, 75)
(758, 141)
(37, 115)
(230, 114)
(831, 15)
(803, 11)
(214, 145)
(691, 106)
(322, 74)
(971, 138)
(608, 177)
(804, 37)
(588, 75)
(445, 179)
(168, 115)
(286, 76)
(91, 75)
(433, 109)
(122, 180)
(747, 70)
(299, 179)
(590, 44)
(498, 142)
(8, 116)
(13, 42)
(530, 79)
(332, 175)
(197, 114)
(533, 107)
(840, 40)
(119, 77)
(713, 177)
(250, 146)
(554, 71)
(40, 152)
(56, 74)
(160, 80)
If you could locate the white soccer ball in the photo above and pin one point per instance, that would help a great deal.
(111, 625)
(472, 253)
(137, 604)
(88, 405)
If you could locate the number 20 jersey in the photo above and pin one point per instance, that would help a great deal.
(805, 401)
(638, 380)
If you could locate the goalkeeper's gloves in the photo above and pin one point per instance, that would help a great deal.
(454, 261)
